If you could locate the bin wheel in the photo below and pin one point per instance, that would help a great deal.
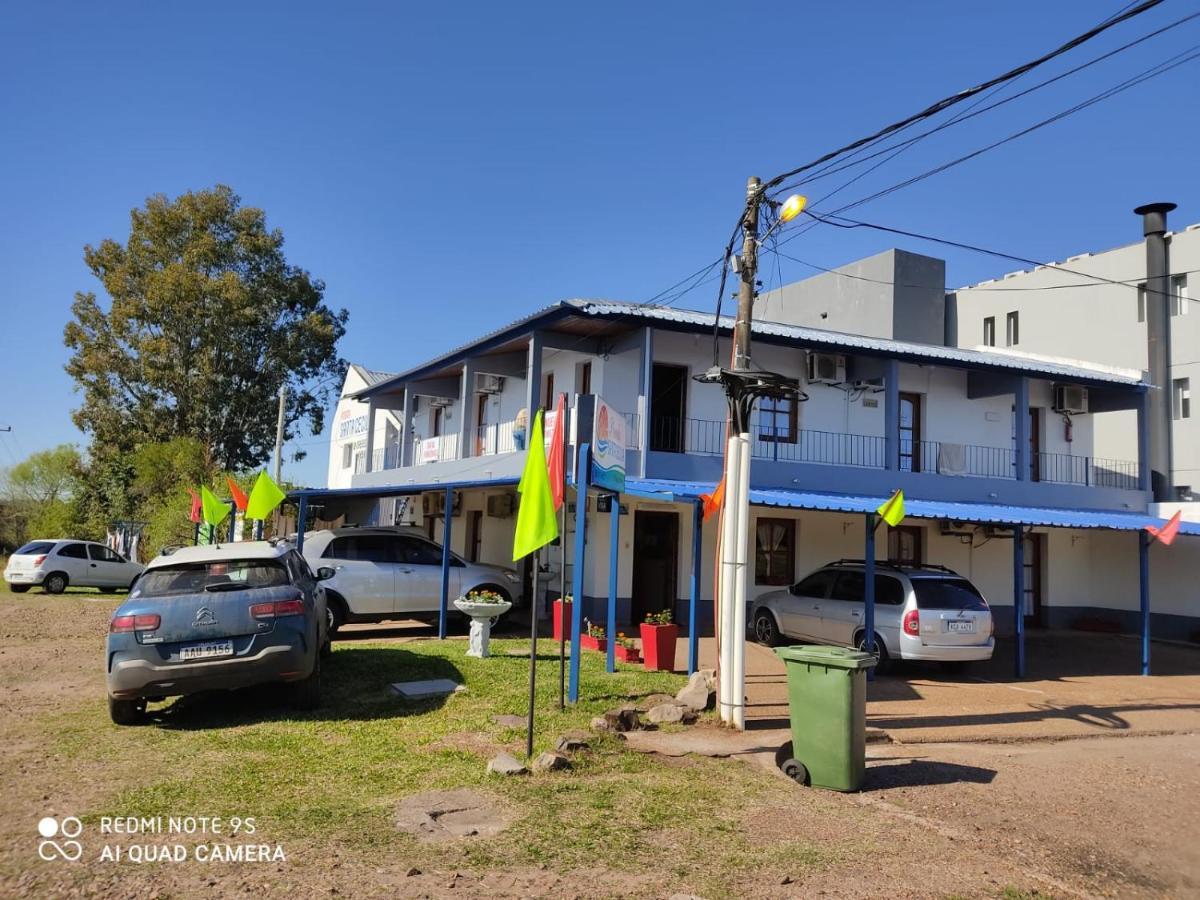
(794, 769)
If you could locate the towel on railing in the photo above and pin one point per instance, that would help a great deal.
(951, 459)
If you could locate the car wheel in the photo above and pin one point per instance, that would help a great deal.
(55, 583)
(126, 712)
(18, 588)
(335, 614)
(766, 632)
(885, 660)
(306, 694)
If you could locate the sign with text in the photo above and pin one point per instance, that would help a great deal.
(608, 448)
(431, 449)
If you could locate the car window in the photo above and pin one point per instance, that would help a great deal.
(947, 593)
(417, 552)
(35, 548)
(103, 554)
(299, 568)
(376, 548)
(193, 578)
(888, 591)
(73, 551)
(815, 585)
(850, 587)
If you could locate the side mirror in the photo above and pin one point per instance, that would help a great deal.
(325, 573)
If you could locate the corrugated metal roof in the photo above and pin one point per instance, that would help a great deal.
(979, 513)
(371, 376)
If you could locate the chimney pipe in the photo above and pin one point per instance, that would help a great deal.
(1158, 346)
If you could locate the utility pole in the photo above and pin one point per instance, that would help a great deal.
(279, 433)
(748, 271)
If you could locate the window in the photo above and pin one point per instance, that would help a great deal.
(774, 551)
(416, 552)
(36, 548)
(989, 331)
(585, 378)
(100, 553)
(439, 421)
(888, 591)
(910, 432)
(375, 548)
(347, 455)
(815, 585)
(947, 593)
(777, 419)
(850, 587)
(1012, 334)
(73, 551)
(548, 394)
(904, 545)
(231, 575)
(1142, 302)
(1181, 398)
(1179, 295)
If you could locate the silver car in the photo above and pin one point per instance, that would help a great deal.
(56, 564)
(921, 613)
(394, 573)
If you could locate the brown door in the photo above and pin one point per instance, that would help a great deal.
(910, 432)
(1032, 588)
(481, 424)
(474, 534)
(655, 562)
(668, 408)
(905, 545)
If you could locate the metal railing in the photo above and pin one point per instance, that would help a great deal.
(443, 448)
(1086, 470)
(385, 458)
(493, 439)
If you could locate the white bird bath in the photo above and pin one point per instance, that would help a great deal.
(482, 616)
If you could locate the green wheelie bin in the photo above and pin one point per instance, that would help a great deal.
(827, 697)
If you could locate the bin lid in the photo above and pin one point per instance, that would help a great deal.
(833, 657)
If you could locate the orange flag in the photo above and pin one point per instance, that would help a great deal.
(239, 496)
(1167, 533)
(195, 513)
(556, 461)
(714, 501)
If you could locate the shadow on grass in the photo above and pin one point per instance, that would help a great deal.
(355, 686)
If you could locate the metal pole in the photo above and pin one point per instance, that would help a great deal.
(1019, 599)
(1144, 586)
(232, 520)
(562, 596)
(442, 607)
(533, 636)
(582, 463)
(301, 521)
(1158, 344)
(279, 426)
(614, 548)
(869, 589)
(694, 592)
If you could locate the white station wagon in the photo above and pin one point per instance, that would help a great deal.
(57, 564)
(921, 613)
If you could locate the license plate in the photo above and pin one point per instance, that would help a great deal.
(207, 650)
(961, 625)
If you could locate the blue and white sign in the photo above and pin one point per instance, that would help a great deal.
(608, 448)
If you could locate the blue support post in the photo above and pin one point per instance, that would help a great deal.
(1019, 599)
(583, 464)
(446, 519)
(694, 592)
(301, 520)
(614, 549)
(1021, 437)
(891, 415)
(1144, 586)
(869, 589)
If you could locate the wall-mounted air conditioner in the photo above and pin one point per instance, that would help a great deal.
(501, 506)
(826, 368)
(1070, 398)
(489, 384)
(443, 402)
(435, 504)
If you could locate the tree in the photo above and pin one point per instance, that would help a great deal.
(207, 319)
(40, 494)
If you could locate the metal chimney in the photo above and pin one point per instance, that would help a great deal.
(1158, 345)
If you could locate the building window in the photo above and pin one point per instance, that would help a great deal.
(1012, 334)
(439, 421)
(989, 331)
(1142, 302)
(548, 395)
(1181, 398)
(904, 545)
(775, 551)
(778, 419)
(1179, 295)
(347, 455)
(585, 378)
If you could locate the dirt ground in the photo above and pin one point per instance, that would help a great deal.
(1111, 814)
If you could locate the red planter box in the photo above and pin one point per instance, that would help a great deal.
(562, 619)
(590, 643)
(631, 656)
(658, 646)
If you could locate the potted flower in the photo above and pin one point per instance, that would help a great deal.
(659, 635)
(483, 608)
(593, 637)
(626, 650)
(562, 617)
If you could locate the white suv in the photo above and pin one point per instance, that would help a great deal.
(56, 564)
(921, 612)
(394, 573)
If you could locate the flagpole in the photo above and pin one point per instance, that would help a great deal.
(532, 658)
(562, 603)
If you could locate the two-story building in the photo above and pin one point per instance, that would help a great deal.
(991, 488)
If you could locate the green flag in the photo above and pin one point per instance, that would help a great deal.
(892, 510)
(214, 510)
(264, 497)
(536, 526)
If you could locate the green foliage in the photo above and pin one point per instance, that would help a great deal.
(207, 320)
(41, 496)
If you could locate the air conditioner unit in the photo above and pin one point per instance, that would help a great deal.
(500, 506)
(442, 402)
(489, 384)
(435, 504)
(826, 368)
(1069, 398)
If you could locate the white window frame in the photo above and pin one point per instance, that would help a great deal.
(989, 331)
(1179, 295)
(1181, 398)
(1012, 329)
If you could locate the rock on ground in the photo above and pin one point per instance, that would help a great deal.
(573, 742)
(511, 721)
(506, 764)
(550, 762)
(696, 694)
(667, 713)
(442, 815)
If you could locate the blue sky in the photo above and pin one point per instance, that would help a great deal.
(446, 170)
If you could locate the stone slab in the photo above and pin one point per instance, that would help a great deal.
(428, 689)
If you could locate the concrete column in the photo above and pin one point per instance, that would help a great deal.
(891, 415)
(406, 429)
(1021, 428)
(645, 379)
(466, 425)
(370, 464)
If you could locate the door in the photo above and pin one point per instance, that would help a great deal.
(72, 559)
(419, 576)
(668, 408)
(841, 614)
(655, 562)
(1034, 545)
(910, 432)
(366, 572)
(800, 610)
(107, 569)
(474, 535)
(482, 425)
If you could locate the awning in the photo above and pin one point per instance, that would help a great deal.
(979, 513)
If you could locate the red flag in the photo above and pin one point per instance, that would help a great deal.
(195, 514)
(239, 496)
(713, 501)
(556, 462)
(1167, 533)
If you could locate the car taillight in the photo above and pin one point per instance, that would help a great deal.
(38, 560)
(912, 622)
(126, 624)
(277, 608)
